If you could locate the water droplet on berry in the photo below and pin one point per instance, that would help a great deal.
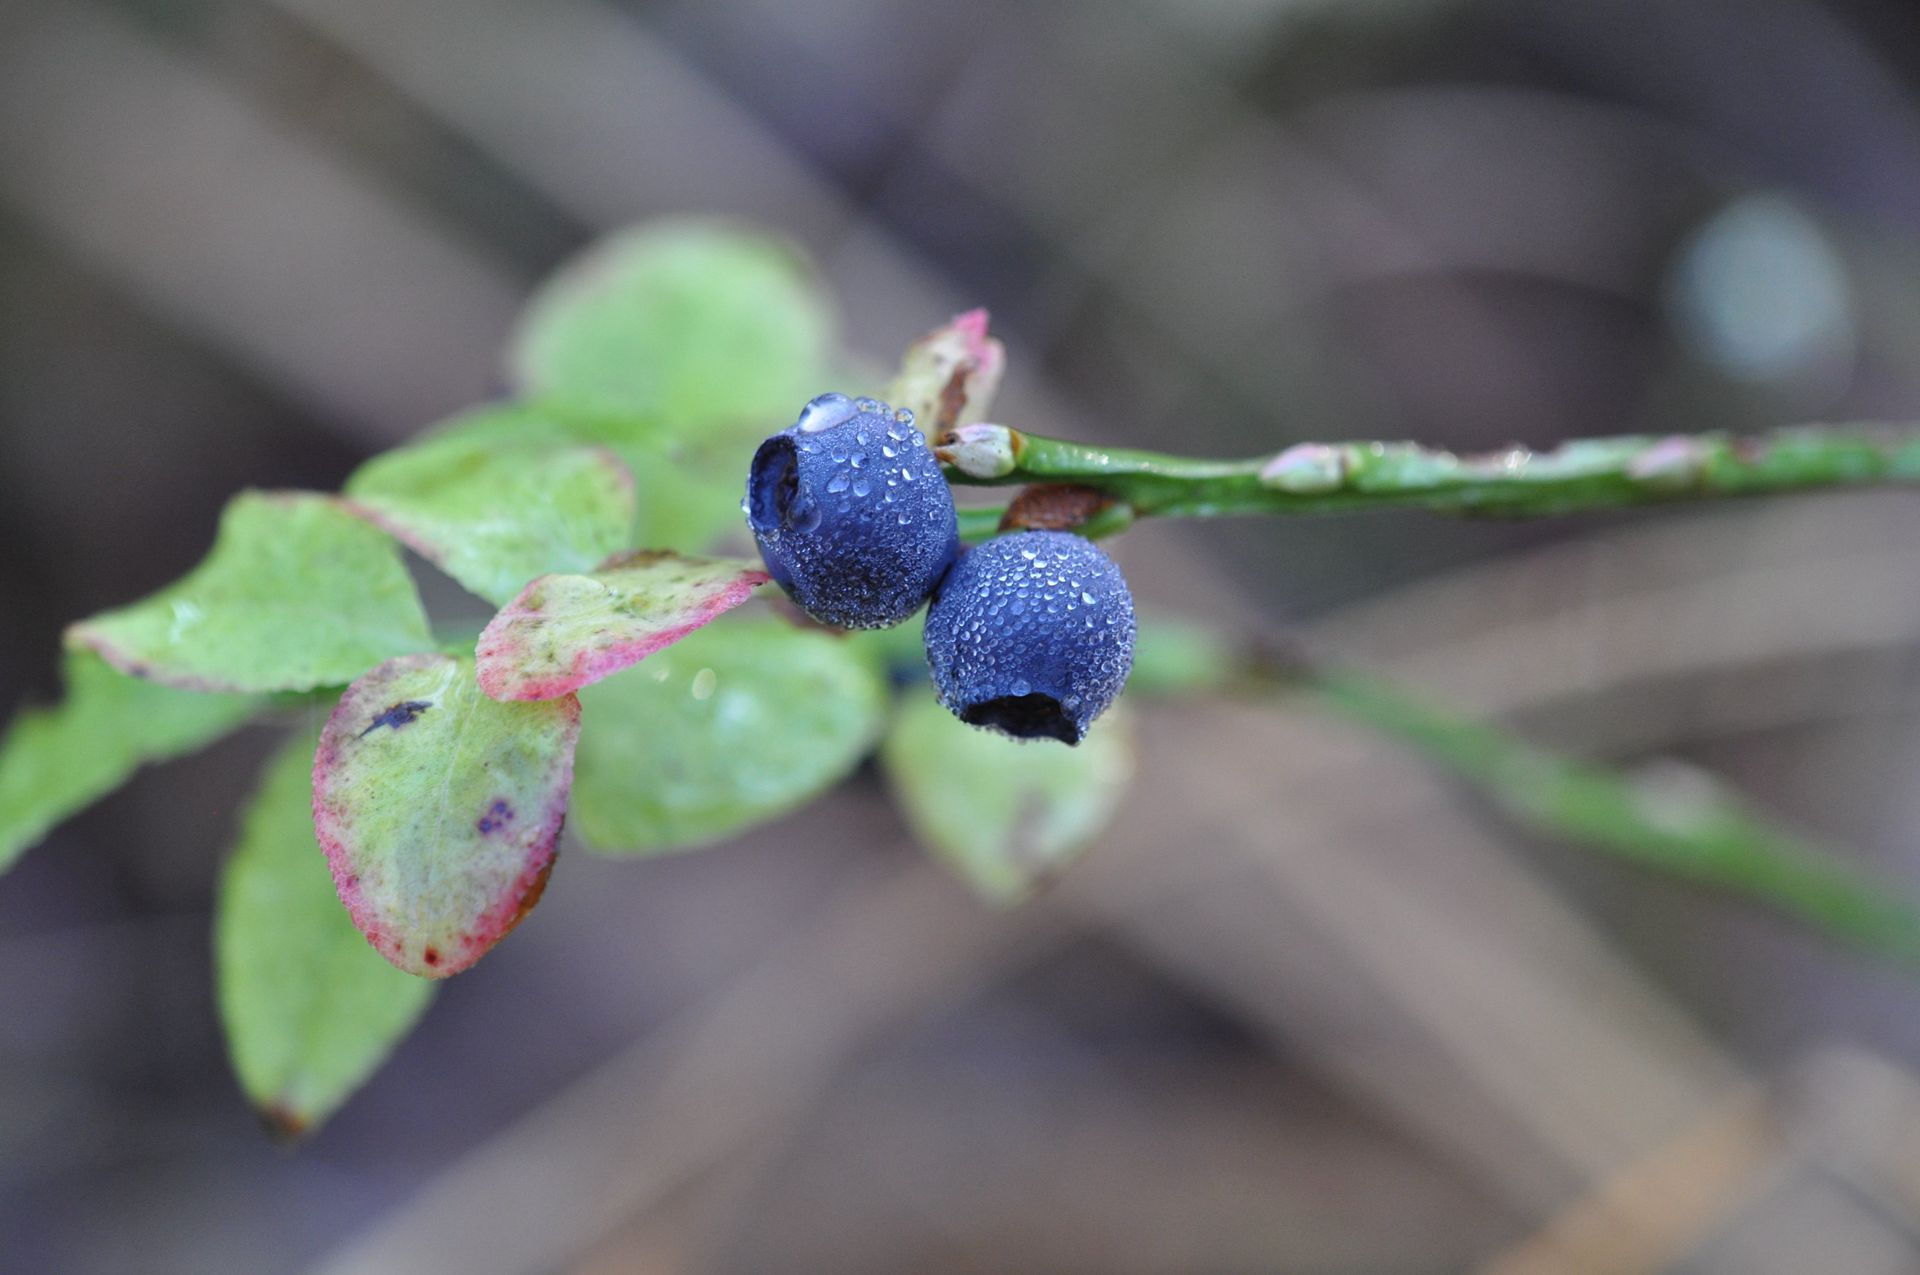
(861, 486)
(825, 412)
(837, 483)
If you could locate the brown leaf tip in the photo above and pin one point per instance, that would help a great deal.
(282, 1124)
(534, 891)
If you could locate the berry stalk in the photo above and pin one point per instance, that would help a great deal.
(1310, 478)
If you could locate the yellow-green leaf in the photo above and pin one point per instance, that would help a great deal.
(499, 498)
(309, 1009)
(1006, 815)
(738, 724)
(54, 761)
(700, 327)
(1173, 656)
(296, 593)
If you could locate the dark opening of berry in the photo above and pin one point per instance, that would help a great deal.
(772, 484)
(1024, 717)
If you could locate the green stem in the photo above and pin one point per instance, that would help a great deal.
(979, 524)
(1696, 829)
(1327, 477)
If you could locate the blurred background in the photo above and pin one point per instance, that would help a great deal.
(1307, 1008)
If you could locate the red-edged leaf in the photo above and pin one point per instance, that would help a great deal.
(949, 376)
(567, 631)
(439, 808)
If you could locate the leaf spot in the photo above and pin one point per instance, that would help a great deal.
(498, 815)
(398, 715)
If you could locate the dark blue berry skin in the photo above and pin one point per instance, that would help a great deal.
(851, 512)
(1031, 634)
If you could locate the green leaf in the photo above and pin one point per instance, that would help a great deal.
(439, 808)
(309, 1009)
(297, 593)
(1179, 657)
(566, 631)
(679, 345)
(1004, 814)
(736, 725)
(704, 328)
(500, 497)
(55, 761)
(692, 492)
(685, 491)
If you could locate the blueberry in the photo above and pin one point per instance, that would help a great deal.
(851, 512)
(1031, 634)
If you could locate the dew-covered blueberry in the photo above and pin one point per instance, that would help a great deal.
(851, 512)
(1031, 634)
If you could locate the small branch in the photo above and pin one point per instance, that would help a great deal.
(1680, 820)
(1309, 478)
(1668, 817)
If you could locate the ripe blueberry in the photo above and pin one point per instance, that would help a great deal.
(1031, 634)
(851, 512)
